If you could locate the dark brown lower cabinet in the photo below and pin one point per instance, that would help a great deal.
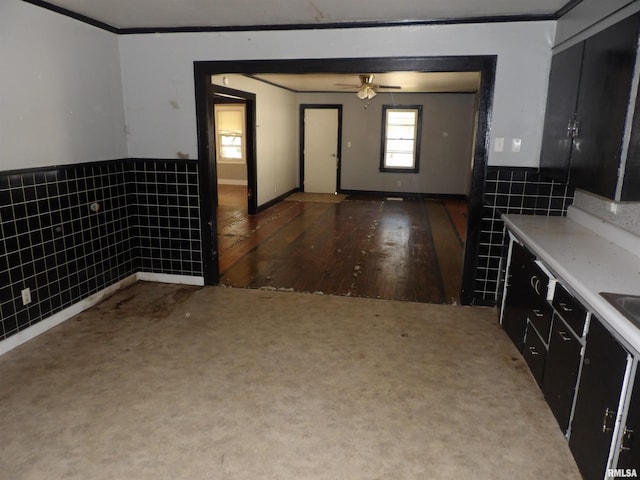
(601, 381)
(629, 456)
(561, 374)
(526, 293)
(518, 297)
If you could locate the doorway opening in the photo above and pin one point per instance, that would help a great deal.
(485, 65)
(231, 158)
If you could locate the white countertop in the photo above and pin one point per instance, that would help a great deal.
(588, 256)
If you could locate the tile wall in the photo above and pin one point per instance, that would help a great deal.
(148, 220)
(165, 216)
(53, 243)
(511, 190)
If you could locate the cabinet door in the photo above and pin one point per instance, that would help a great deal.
(561, 375)
(535, 353)
(603, 99)
(597, 400)
(516, 302)
(630, 447)
(562, 100)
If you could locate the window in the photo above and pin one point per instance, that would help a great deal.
(231, 145)
(400, 138)
(229, 125)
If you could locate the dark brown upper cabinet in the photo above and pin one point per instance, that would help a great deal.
(588, 104)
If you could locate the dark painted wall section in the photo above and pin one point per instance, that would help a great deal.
(54, 244)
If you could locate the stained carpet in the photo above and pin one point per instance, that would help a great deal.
(172, 382)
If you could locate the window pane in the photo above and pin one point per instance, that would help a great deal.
(399, 117)
(230, 140)
(396, 131)
(401, 146)
(231, 152)
(399, 160)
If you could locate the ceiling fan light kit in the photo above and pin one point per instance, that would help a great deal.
(367, 89)
(366, 93)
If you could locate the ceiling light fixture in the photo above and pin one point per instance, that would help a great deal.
(366, 92)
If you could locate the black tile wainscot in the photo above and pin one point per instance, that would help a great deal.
(165, 216)
(513, 191)
(70, 231)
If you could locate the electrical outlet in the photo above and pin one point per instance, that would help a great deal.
(516, 145)
(26, 296)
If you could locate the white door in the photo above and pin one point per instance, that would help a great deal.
(320, 149)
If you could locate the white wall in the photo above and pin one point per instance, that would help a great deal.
(60, 90)
(445, 153)
(276, 135)
(158, 79)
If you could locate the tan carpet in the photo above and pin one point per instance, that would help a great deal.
(316, 197)
(175, 382)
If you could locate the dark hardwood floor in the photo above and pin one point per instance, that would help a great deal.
(377, 247)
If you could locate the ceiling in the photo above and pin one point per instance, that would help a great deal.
(127, 16)
(410, 82)
(132, 14)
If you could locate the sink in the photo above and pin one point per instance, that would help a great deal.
(628, 305)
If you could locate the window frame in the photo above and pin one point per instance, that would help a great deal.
(415, 168)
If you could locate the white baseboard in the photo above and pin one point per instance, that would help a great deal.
(164, 278)
(48, 323)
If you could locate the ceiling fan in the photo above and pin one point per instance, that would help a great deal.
(367, 89)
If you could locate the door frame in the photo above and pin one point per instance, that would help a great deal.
(485, 64)
(209, 172)
(313, 106)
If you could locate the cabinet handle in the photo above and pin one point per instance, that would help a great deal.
(565, 336)
(535, 284)
(576, 128)
(565, 307)
(627, 435)
(573, 128)
(533, 350)
(608, 414)
(570, 129)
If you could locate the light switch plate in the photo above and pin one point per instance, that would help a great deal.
(498, 145)
(26, 296)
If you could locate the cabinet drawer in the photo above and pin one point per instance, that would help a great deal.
(569, 309)
(540, 317)
(535, 353)
(538, 281)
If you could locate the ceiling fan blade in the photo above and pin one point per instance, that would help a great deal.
(395, 87)
(350, 85)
